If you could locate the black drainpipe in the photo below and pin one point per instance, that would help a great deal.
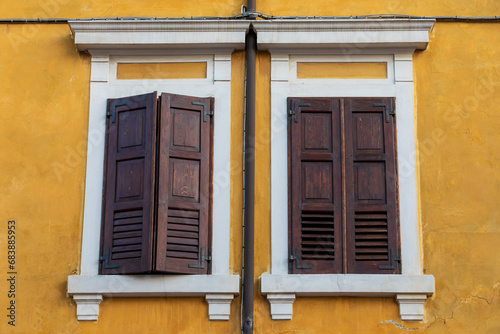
(248, 277)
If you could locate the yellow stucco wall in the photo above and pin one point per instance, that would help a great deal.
(43, 135)
(457, 92)
(44, 115)
(347, 70)
(43, 122)
(368, 7)
(180, 8)
(116, 8)
(147, 71)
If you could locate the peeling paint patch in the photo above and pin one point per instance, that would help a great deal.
(398, 325)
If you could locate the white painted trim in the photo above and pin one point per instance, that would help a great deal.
(158, 41)
(388, 59)
(208, 59)
(347, 285)
(100, 92)
(160, 34)
(153, 285)
(393, 40)
(343, 33)
(403, 92)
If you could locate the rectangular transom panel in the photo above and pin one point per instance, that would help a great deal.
(174, 70)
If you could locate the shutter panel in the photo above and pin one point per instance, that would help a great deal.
(184, 186)
(372, 229)
(128, 185)
(315, 188)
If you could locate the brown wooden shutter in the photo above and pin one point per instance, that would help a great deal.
(371, 187)
(129, 177)
(315, 192)
(184, 185)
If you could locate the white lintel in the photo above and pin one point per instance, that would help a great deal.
(343, 33)
(165, 34)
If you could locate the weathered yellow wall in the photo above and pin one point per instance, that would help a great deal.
(367, 7)
(118, 8)
(43, 128)
(43, 134)
(458, 94)
(43, 120)
(180, 8)
(457, 82)
(341, 70)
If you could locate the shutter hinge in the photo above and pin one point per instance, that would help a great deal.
(105, 259)
(395, 257)
(112, 110)
(389, 110)
(201, 265)
(206, 111)
(296, 258)
(295, 111)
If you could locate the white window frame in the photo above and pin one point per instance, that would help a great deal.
(110, 42)
(375, 40)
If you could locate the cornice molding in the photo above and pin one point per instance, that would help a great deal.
(343, 33)
(154, 34)
(158, 25)
(333, 25)
(216, 34)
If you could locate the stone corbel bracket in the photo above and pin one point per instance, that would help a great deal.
(219, 306)
(411, 306)
(281, 305)
(87, 307)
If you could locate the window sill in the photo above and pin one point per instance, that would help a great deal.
(410, 291)
(88, 291)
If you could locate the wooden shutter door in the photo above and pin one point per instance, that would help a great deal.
(315, 186)
(184, 185)
(372, 230)
(128, 185)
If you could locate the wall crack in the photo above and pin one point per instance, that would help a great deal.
(399, 326)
